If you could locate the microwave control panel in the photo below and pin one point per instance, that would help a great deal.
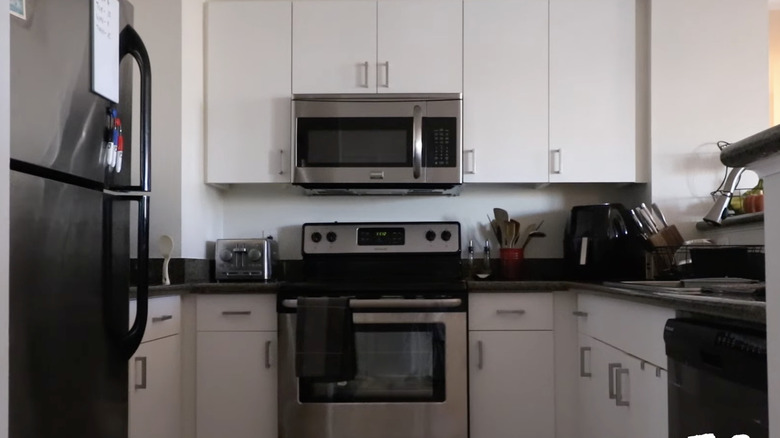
(440, 141)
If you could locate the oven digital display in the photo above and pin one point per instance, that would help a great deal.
(381, 236)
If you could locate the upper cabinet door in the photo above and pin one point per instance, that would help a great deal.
(505, 73)
(593, 105)
(248, 57)
(420, 46)
(334, 47)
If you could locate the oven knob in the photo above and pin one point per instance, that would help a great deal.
(430, 235)
(316, 237)
(446, 235)
(331, 236)
(226, 255)
(255, 255)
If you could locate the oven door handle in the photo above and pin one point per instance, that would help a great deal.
(393, 303)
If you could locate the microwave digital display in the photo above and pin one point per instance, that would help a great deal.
(381, 236)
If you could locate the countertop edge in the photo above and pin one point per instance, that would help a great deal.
(746, 311)
(749, 150)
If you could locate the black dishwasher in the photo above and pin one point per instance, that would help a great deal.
(717, 379)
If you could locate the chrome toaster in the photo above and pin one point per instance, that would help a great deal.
(246, 259)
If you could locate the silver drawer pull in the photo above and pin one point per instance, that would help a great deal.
(479, 355)
(620, 397)
(510, 312)
(267, 354)
(611, 368)
(579, 313)
(140, 360)
(584, 373)
(162, 318)
(236, 312)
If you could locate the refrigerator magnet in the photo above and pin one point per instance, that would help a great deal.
(19, 9)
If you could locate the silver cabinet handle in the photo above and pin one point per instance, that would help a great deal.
(479, 355)
(365, 74)
(236, 312)
(392, 303)
(584, 373)
(387, 73)
(417, 141)
(142, 361)
(281, 161)
(612, 368)
(620, 399)
(162, 318)
(556, 160)
(510, 312)
(473, 153)
(268, 354)
(579, 313)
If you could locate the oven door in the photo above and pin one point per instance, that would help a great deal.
(411, 379)
(374, 141)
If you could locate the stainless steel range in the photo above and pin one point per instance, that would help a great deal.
(407, 306)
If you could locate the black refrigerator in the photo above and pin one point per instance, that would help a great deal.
(73, 204)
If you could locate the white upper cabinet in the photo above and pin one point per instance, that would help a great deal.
(420, 46)
(398, 46)
(505, 86)
(593, 89)
(334, 47)
(248, 82)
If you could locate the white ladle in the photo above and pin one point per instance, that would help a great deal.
(166, 249)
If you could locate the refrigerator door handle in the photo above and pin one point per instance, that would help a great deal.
(130, 43)
(127, 340)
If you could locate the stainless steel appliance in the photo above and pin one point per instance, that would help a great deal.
(246, 259)
(70, 212)
(378, 144)
(409, 316)
(717, 379)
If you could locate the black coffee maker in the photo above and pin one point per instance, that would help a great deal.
(601, 242)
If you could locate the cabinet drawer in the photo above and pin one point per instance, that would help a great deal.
(637, 329)
(164, 317)
(236, 312)
(511, 311)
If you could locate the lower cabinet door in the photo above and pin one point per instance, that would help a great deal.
(155, 389)
(620, 395)
(649, 401)
(511, 384)
(600, 416)
(236, 385)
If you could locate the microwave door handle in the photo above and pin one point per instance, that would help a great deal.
(417, 141)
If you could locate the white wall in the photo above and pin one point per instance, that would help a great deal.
(183, 207)
(201, 209)
(4, 219)
(280, 210)
(709, 82)
(159, 23)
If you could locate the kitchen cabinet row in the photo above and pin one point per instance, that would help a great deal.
(545, 364)
(550, 87)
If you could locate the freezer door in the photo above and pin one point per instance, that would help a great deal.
(57, 122)
(68, 375)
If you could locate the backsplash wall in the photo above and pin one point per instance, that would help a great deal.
(279, 210)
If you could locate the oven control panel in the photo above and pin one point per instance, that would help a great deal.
(381, 237)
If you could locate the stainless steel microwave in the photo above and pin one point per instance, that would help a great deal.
(378, 144)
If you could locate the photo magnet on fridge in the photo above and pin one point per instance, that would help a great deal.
(18, 8)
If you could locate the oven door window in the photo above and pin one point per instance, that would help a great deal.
(395, 363)
(354, 141)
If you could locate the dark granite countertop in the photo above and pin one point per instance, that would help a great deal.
(736, 308)
(751, 149)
